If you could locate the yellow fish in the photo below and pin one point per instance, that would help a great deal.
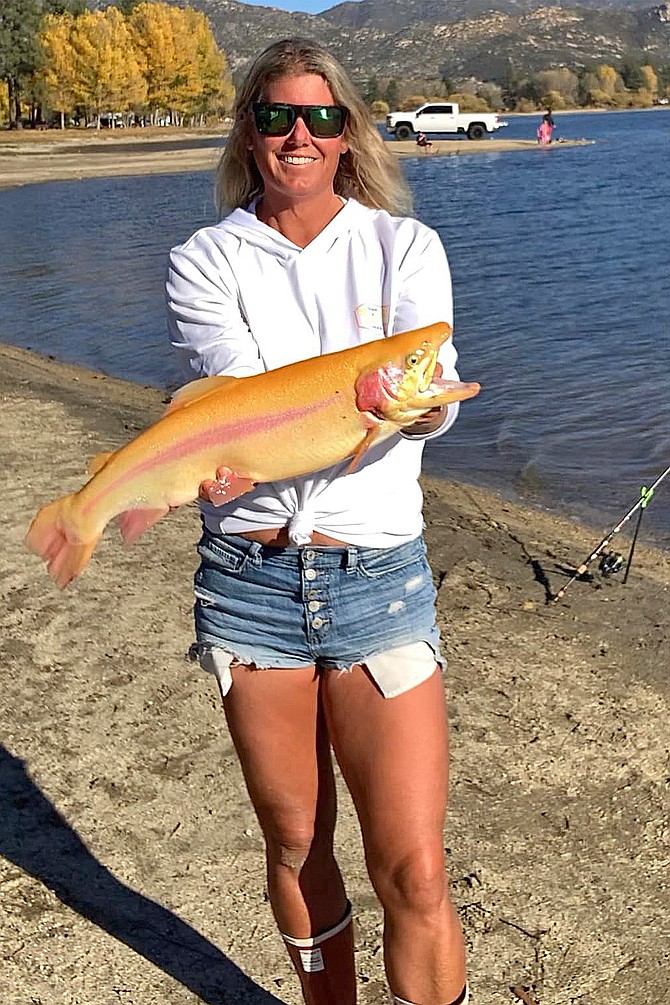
(229, 433)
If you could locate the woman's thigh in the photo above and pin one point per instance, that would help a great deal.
(279, 732)
(393, 753)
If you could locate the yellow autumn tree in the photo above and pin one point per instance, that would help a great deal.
(58, 63)
(4, 102)
(186, 72)
(152, 28)
(650, 78)
(215, 90)
(608, 79)
(108, 76)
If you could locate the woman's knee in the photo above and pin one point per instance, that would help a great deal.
(416, 882)
(294, 839)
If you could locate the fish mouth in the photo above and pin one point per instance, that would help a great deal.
(394, 379)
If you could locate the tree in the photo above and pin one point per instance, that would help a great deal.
(561, 81)
(632, 76)
(608, 79)
(650, 79)
(491, 93)
(19, 50)
(372, 91)
(391, 96)
(186, 72)
(59, 60)
(107, 74)
(379, 110)
(213, 85)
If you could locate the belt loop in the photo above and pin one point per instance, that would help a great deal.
(255, 553)
(352, 558)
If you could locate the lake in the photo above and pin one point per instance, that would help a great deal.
(561, 269)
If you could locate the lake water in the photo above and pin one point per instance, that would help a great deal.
(561, 268)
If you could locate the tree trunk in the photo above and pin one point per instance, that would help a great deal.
(14, 103)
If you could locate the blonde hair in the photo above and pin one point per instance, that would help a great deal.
(366, 172)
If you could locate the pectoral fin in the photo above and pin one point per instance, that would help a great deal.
(370, 437)
(134, 522)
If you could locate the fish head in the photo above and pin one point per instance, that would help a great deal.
(404, 385)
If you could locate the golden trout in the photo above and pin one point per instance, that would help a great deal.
(229, 433)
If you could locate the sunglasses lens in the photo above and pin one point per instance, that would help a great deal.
(273, 120)
(325, 120)
(276, 119)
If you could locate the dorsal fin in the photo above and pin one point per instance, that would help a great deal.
(195, 390)
(99, 461)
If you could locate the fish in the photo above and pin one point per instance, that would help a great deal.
(220, 436)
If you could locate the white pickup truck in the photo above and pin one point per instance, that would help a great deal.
(439, 117)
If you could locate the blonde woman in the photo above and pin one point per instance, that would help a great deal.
(293, 611)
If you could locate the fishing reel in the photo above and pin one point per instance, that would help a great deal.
(610, 563)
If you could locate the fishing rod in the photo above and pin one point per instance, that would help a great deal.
(643, 501)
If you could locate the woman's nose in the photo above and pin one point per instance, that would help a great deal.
(300, 133)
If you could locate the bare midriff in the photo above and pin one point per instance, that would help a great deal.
(277, 537)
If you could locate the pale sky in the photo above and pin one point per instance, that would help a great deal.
(307, 6)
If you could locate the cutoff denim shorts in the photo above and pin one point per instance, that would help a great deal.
(329, 607)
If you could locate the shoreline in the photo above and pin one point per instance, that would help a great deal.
(127, 843)
(45, 157)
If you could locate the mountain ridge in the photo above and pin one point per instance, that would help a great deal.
(430, 39)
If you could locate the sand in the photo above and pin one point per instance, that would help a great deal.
(131, 865)
(28, 157)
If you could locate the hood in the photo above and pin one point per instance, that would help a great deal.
(246, 227)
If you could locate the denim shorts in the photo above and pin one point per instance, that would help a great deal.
(329, 607)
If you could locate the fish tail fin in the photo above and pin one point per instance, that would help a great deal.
(52, 536)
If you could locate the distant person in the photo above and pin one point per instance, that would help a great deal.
(423, 141)
(546, 128)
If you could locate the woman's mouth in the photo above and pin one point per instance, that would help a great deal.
(294, 159)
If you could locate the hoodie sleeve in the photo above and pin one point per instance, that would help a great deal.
(425, 298)
(206, 325)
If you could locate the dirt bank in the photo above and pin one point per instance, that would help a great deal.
(131, 867)
(49, 156)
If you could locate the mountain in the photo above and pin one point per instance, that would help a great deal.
(425, 39)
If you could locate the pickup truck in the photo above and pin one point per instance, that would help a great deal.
(442, 118)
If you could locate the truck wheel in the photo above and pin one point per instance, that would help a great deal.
(476, 131)
(403, 132)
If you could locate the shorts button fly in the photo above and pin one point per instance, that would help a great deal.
(310, 574)
(317, 622)
(310, 556)
(314, 605)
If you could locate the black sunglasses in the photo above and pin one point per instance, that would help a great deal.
(275, 118)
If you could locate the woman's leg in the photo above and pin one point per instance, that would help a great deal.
(279, 732)
(394, 759)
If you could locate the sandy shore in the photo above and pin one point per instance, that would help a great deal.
(49, 156)
(131, 865)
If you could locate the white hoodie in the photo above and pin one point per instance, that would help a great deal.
(243, 299)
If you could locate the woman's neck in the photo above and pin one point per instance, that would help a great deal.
(300, 222)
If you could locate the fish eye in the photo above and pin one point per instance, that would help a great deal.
(414, 358)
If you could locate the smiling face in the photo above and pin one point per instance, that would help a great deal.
(298, 167)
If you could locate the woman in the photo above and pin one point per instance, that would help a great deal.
(314, 602)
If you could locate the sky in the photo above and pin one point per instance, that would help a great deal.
(308, 6)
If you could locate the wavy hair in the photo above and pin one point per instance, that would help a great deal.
(367, 172)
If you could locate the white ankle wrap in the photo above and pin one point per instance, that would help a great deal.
(463, 1000)
(311, 956)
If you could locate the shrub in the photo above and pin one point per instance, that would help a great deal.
(379, 109)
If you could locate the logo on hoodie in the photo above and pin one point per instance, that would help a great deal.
(371, 317)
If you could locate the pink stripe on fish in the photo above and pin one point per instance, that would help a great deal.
(213, 436)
